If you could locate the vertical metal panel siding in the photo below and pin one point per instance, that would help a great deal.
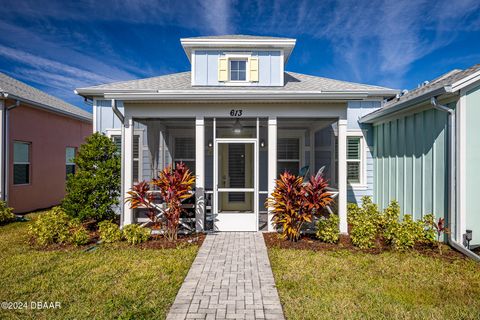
(472, 169)
(105, 118)
(410, 163)
(212, 67)
(206, 68)
(201, 67)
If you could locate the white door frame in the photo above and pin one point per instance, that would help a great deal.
(234, 221)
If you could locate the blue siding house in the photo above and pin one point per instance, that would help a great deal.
(238, 119)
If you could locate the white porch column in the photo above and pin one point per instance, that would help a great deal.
(200, 173)
(272, 163)
(128, 169)
(342, 175)
(2, 159)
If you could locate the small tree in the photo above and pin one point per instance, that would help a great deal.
(175, 185)
(141, 197)
(95, 187)
(294, 203)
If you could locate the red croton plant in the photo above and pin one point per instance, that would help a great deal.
(174, 185)
(295, 202)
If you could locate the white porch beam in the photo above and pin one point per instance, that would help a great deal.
(272, 163)
(128, 169)
(342, 175)
(200, 173)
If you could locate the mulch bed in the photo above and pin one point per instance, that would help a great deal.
(160, 242)
(310, 242)
(155, 242)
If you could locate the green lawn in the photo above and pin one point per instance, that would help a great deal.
(392, 285)
(112, 282)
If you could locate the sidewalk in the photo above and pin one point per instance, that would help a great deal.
(231, 278)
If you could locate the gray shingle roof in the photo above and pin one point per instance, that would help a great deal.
(34, 96)
(182, 82)
(239, 37)
(446, 79)
(420, 94)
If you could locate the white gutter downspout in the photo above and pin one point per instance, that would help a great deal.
(452, 178)
(121, 117)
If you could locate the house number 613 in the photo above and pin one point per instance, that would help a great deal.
(236, 113)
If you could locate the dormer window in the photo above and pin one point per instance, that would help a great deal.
(238, 70)
(238, 60)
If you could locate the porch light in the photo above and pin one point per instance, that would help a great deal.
(237, 127)
(262, 143)
(210, 143)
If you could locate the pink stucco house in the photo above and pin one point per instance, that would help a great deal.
(39, 135)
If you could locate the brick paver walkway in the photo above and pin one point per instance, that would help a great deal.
(230, 278)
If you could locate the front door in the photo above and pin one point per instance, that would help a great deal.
(235, 204)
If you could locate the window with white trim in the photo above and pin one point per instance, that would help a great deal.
(21, 162)
(238, 70)
(354, 160)
(184, 151)
(288, 155)
(117, 140)
(69, 156)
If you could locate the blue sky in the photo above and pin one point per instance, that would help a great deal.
(57, 46)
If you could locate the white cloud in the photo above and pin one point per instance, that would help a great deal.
(203, 15)
(217, 16)
(372, 40)
(54, 67)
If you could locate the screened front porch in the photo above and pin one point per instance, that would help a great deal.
(235, 161)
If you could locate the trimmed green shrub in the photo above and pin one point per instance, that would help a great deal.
(93, 190)
(6, 213)
(364, 232)
(109, 231)
(408, 233)
(55, 226)
(367, 223)
(430, 230)
(135, 234)
(389, 221)
(51, 227)
(78, 234)
(364, 222)
(327, 229)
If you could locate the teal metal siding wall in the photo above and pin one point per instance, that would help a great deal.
(472, 170)
(410, 163)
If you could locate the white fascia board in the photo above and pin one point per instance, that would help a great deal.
(467, 81)
(101, 91)
(226, 92)
(237, 42)
(236, 95)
